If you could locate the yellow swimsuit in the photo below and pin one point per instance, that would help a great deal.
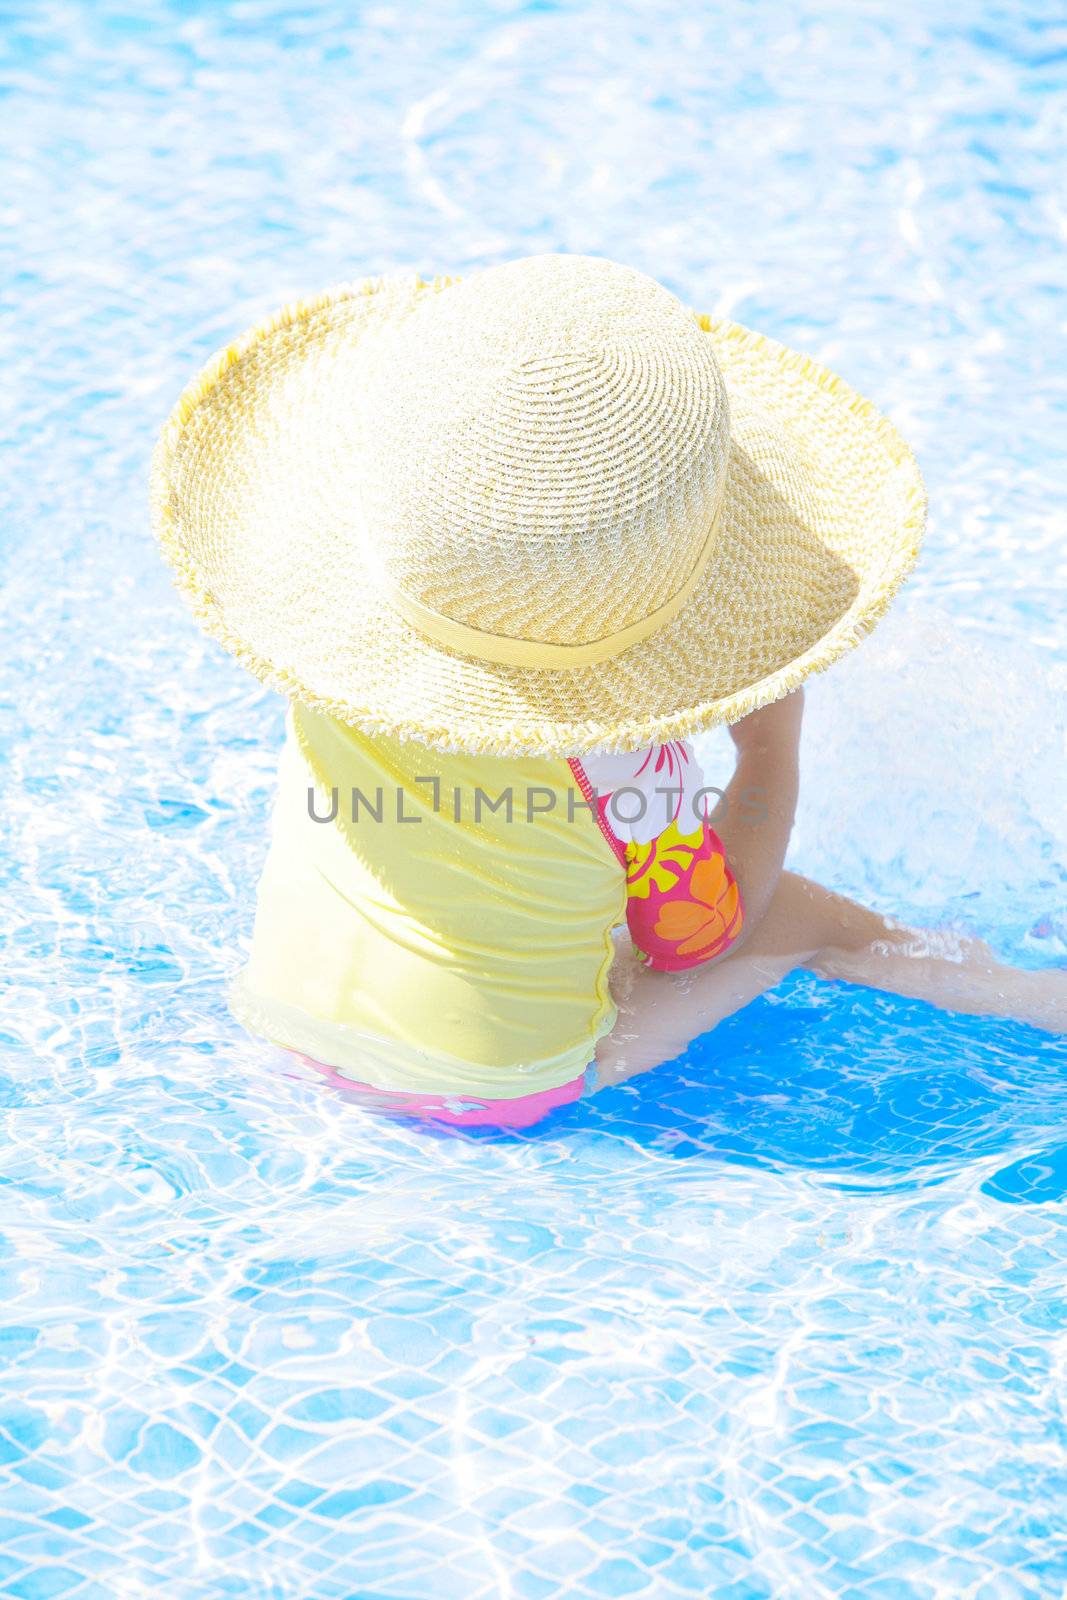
(443, 923)
(452, 951)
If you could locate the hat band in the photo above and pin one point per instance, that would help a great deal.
(508, 651)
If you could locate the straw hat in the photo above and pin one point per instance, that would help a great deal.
(547, 509)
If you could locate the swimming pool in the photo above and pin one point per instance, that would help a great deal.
(783, 1319)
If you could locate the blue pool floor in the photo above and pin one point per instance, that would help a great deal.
(782, 1320)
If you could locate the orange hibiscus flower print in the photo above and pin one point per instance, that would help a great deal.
(687, 911)
(683, 904)
(702, 925)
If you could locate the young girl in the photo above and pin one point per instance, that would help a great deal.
(507, 543)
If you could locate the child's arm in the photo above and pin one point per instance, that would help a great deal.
(761, 801)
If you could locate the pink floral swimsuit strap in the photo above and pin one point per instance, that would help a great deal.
(683, 903)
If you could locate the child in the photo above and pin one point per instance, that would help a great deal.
(507, 544)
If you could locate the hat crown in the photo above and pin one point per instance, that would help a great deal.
(544, 450)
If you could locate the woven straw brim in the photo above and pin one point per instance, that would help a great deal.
(253, 507)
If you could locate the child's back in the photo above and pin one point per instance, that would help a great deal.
(447, 924)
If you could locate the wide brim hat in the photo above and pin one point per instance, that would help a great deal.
(546, 509)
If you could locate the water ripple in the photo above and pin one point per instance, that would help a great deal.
(784, 1318)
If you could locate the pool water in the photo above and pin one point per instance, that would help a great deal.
(785, 1318)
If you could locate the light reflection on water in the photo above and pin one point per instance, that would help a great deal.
(779, 1319)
